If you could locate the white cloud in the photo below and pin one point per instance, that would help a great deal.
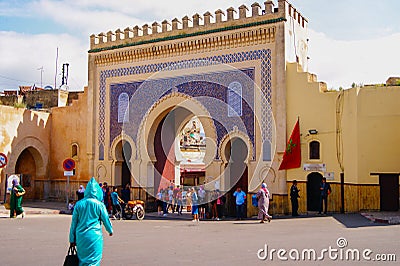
(83, 21)
(337, 62)
(21, 56)
(340, 63)
(103, 15)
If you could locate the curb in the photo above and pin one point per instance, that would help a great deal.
(34, 212)
(390, 220)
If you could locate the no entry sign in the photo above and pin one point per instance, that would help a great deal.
(68, 164)
(3, 160)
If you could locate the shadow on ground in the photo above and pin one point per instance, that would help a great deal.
(355, 220)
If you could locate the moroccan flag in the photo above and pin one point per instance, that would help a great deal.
(292, 155)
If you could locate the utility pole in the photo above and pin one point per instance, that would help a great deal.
(41, 76)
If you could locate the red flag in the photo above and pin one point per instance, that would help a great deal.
(292, 155)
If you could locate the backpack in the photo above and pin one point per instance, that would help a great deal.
(254, 200)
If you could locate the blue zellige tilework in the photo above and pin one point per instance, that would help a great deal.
(266, 80)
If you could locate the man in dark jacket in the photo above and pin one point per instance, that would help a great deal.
(325, 190)
(294, 195)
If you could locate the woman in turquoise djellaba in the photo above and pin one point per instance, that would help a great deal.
(86, 226)
(16, 199)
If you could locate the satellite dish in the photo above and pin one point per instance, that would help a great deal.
(64, 87)
(48, 87)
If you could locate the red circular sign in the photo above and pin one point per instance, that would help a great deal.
(3, 160)
(68, 164)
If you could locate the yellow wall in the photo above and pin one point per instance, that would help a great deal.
(368, 120)
(315, 108)
(70, 127)
(21, 129)
(49, 137)
(378, 117)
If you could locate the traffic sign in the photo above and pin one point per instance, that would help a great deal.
(68, 164)
(68, 173)
(3, 160)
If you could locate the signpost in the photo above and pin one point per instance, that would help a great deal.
(321, 167)
(69, 166)
(3, 160)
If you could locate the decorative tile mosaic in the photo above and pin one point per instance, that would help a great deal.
(213, 96)
(264, 55)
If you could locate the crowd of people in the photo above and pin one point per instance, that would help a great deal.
(201, 203)
(97, 202)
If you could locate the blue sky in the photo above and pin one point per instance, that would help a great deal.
(350, 41)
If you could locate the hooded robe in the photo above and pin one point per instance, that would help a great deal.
(88, 216)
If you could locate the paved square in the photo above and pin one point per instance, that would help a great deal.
(43, 240)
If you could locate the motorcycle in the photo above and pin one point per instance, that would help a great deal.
(134, 207)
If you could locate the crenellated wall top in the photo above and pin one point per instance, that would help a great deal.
(196, 25)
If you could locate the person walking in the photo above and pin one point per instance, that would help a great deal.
(107, 197)
(294, 195)
(263, 203)
(240, 203)
(17, 191)
(126, 193)
(86, 225)
(80, 193)
(116, 203)
(325, 190)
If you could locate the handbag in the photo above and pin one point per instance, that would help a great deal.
(19, 194)
(72, 257)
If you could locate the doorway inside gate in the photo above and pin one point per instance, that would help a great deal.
(236, 173)
(313, 193)
(27, 166)
(179, 149)
(389, 192)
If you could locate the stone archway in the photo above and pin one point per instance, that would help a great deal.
(123, 152)
(178, 109)
(235, 154)
(30, 158)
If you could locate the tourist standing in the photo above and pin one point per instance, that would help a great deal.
(195, 206)
(240, 203)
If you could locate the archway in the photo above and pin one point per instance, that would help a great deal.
(236, 172)
(123, 155)
(159, 132)
(27, 166)
(313, 193)
(166, 141)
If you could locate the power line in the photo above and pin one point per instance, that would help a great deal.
(4, 77)
(19, 80)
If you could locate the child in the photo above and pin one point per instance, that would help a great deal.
(71, 206)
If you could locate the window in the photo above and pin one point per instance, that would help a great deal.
(74, 151)
(314, 150)
(123, 103)
(235, 99)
